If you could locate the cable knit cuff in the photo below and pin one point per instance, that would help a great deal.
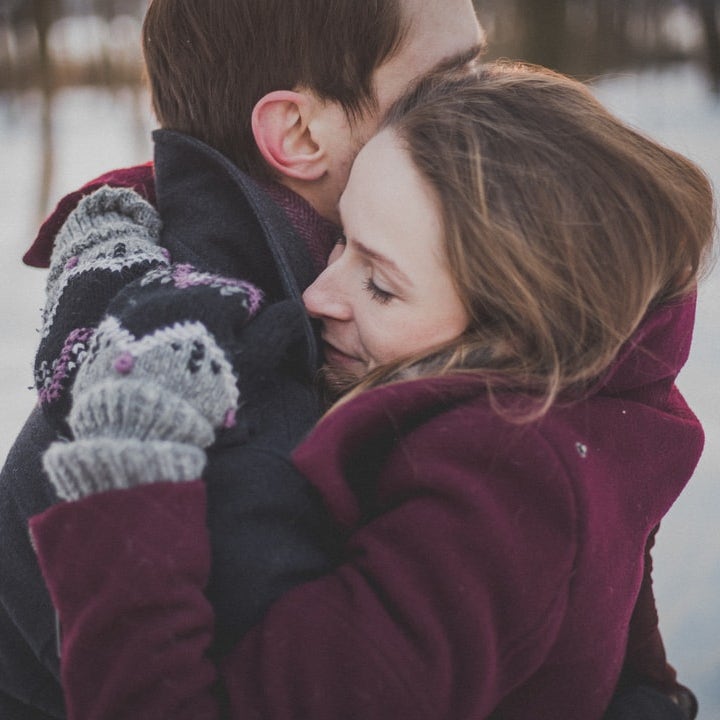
(138, 410)
(84, 467)
(107, 214)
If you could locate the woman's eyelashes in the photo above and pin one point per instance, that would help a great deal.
(377, 293)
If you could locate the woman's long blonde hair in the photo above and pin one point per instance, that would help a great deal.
(563, 227)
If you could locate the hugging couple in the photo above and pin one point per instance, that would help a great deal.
(359, 401)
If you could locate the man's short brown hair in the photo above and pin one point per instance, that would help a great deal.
(209, 62)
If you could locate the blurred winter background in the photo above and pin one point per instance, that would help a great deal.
(72, 105)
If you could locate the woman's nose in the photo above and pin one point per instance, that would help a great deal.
(325, 297)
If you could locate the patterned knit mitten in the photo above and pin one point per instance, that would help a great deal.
(159, 379)
(109, 240)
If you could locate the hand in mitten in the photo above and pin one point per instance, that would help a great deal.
(157, 383)
(109, 240)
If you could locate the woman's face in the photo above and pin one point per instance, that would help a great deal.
(387, 292)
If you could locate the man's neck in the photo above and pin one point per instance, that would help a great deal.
(318, 234)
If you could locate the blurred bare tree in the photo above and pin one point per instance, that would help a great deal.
(543, 32)
(575, 36)
(46, 45)
(38, 45)
(584, 37)
(710, 17)
(41, 15)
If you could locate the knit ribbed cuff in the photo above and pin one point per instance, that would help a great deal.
(84, 467)
(140, 410)
(106, 214)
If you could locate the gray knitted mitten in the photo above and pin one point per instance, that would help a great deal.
(158, 382)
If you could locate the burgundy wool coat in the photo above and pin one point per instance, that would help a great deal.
(489, 569)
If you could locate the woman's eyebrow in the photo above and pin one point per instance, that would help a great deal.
(382, 260)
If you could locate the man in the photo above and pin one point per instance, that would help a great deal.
(287, 92)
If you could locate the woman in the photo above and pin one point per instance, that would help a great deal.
(511, 303)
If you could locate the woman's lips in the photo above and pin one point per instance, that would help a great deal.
(338, 358)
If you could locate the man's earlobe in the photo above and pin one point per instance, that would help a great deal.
(282, 130)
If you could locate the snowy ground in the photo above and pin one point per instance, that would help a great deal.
(96, 130)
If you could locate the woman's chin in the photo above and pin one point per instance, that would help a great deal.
(343, 363)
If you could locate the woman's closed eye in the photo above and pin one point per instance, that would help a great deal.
(377, 293)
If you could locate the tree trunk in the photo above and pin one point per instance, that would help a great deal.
(41, 16)
(544, 23)
(709, 17)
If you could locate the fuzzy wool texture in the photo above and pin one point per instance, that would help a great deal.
(144, 391)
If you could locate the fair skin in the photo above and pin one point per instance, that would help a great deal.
(311, 143)
(387, 292)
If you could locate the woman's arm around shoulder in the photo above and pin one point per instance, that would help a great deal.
(126, 572)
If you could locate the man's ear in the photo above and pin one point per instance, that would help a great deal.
(282, 127)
